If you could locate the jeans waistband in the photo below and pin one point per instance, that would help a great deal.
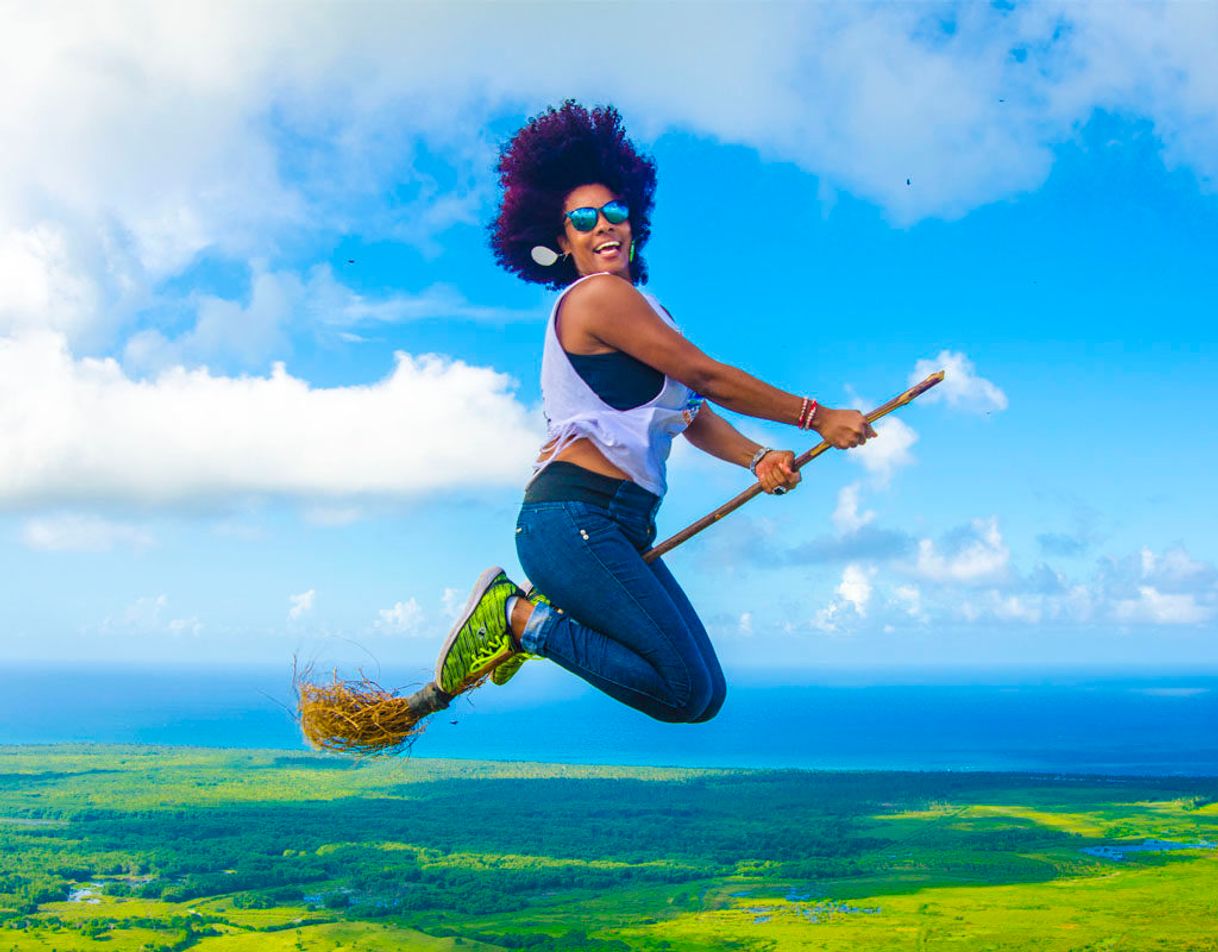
(561, 481)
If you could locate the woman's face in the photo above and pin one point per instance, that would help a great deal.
(607, 246)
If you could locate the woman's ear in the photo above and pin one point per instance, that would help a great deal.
(563, 245)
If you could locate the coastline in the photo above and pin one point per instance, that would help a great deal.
(1105, 724)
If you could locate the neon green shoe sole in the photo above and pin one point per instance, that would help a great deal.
(507, 670)
(480, 640)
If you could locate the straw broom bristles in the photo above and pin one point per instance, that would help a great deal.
(359, 716)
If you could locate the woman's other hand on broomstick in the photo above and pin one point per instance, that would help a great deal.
(777, 473)
(844, 429)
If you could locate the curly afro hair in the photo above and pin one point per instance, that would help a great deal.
(557, 151)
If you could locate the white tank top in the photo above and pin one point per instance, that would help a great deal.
(636, 441)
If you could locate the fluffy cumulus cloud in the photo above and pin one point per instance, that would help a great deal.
(908, 599)
(83, 431)
(855, 588)
(1151, 606)
(962, 388)
(1147, 590)
(301, 605)
(1117, 596)
(142, 136)
(971, 555)
(403, 618)
(847, 518)
(972, 586)
(138, 135)
(850, 599)
(1167, 588)
(888, 451)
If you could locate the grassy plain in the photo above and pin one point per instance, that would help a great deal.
(144, 848)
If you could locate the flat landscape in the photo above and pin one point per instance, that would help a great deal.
(167, 848)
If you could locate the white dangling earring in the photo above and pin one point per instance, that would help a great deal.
(546, 257)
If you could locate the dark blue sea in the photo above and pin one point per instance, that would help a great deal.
(1063, 721)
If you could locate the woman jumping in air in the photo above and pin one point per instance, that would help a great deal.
(619, 382)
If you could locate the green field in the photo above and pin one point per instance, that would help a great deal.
(143, 848)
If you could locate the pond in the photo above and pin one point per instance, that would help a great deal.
(1119, 851)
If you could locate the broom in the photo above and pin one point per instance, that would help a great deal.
(358, 716)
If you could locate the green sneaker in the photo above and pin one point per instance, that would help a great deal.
(481, 639)
(507, 670)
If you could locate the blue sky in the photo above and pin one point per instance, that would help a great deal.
(263, 391)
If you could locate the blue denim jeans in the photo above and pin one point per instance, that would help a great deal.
(624, 626)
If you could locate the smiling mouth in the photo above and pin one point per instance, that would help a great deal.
(608, 247)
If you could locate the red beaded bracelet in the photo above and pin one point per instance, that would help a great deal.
(806, 413)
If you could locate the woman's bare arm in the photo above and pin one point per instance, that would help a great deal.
(612, 312)
(712, 434)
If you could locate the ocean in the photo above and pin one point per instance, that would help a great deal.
(1115, 723)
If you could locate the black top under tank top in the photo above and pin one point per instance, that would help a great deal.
(621, 381)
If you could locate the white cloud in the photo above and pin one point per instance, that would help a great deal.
(1016, 608)
(129, 141)
(1173, 568)
(40, 285)
(1151, 60)
(406, 618)
(967, 579)
(451, 602)
(855, 588)
(146, 616)
(826, 618)
(850, 599)
(71, 532)
(909, 598)
(337, 304)
(977, 554)
(1142, 590)
(962, 388)
(249, 334)
(82, 431)
(301, 605)
(1168, 588)
(888, 451)
(189, 626)
(140, 135)
(1158, 608)
(245, 335)
(846, 517)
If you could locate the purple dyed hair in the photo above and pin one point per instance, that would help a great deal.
(556, 152)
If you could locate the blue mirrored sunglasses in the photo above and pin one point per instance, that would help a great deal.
(584, 219)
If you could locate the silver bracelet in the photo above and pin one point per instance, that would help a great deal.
(757, 457)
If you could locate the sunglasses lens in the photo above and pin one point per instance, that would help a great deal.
(583, 219)
(616, 212)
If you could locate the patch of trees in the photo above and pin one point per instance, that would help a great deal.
(575, 940)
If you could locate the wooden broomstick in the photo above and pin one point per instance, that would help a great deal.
(359, 716)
